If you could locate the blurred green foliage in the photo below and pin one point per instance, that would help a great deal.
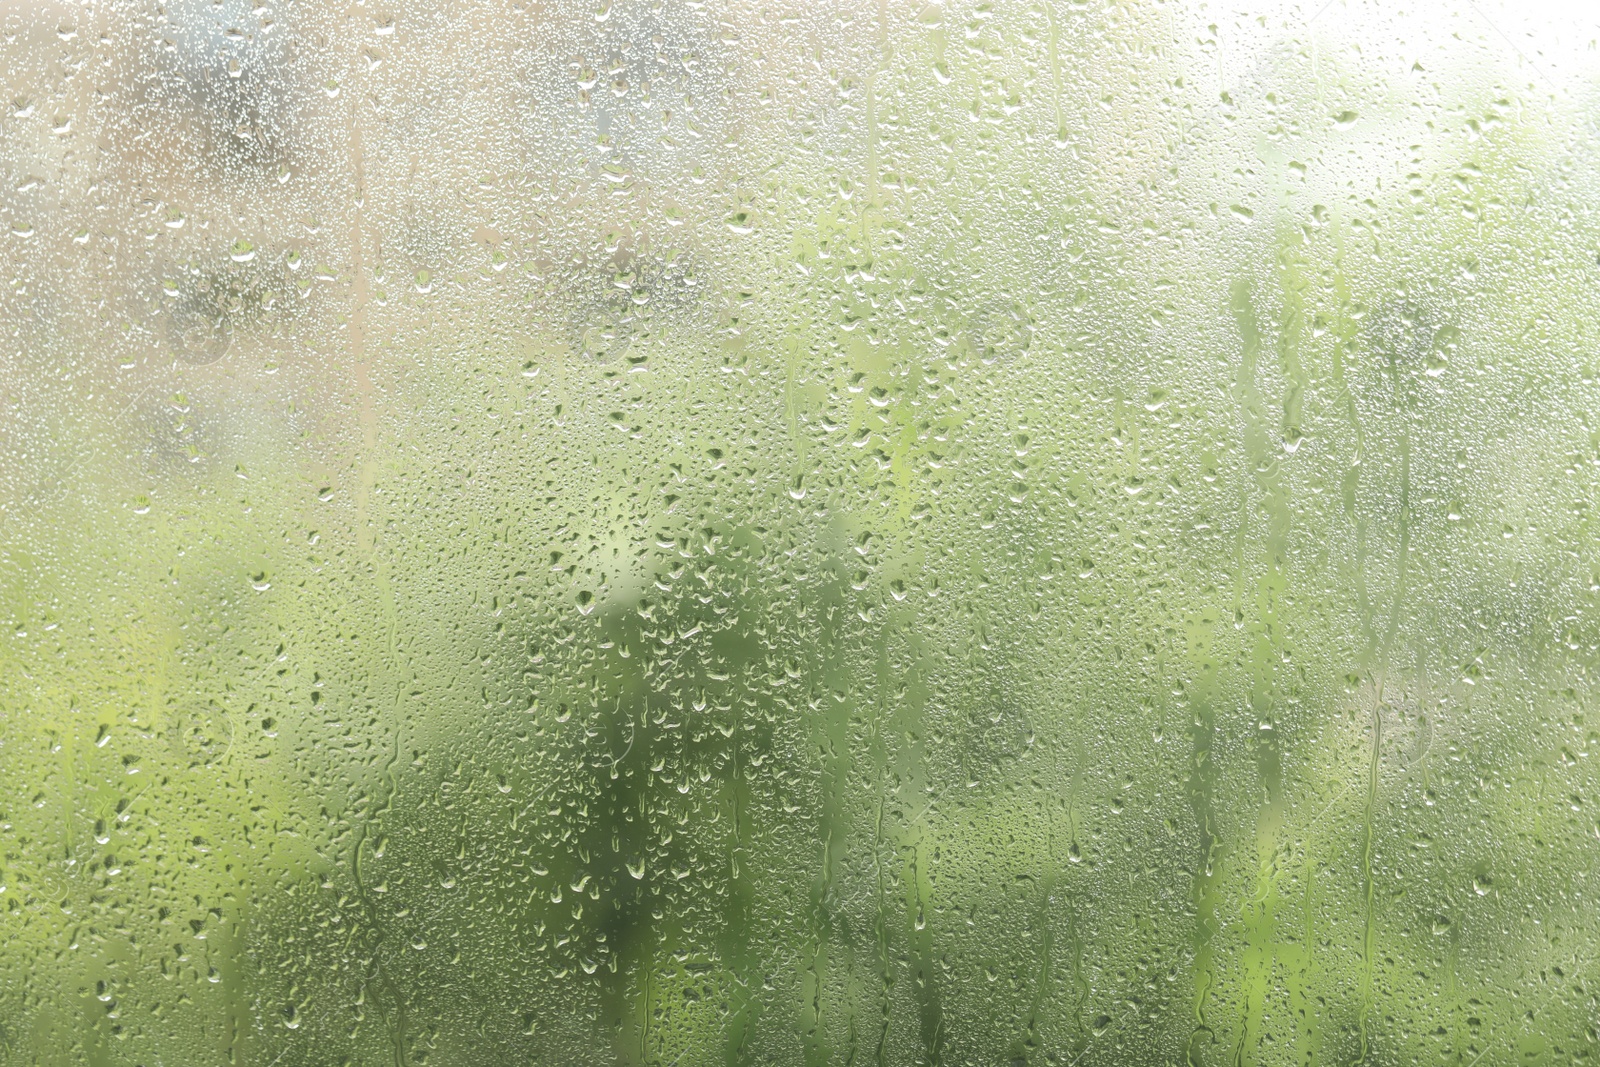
(1017, 558)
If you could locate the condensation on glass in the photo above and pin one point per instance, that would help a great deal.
(846, 532)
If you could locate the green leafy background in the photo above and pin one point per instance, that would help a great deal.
(861, 534)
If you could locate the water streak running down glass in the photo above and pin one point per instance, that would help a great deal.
(840, 532)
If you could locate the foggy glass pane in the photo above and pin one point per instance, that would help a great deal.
(801, 533)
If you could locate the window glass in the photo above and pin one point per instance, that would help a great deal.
(837, 532)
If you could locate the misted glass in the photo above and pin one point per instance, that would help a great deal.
(822, 532)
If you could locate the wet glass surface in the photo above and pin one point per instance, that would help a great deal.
(825, 533)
